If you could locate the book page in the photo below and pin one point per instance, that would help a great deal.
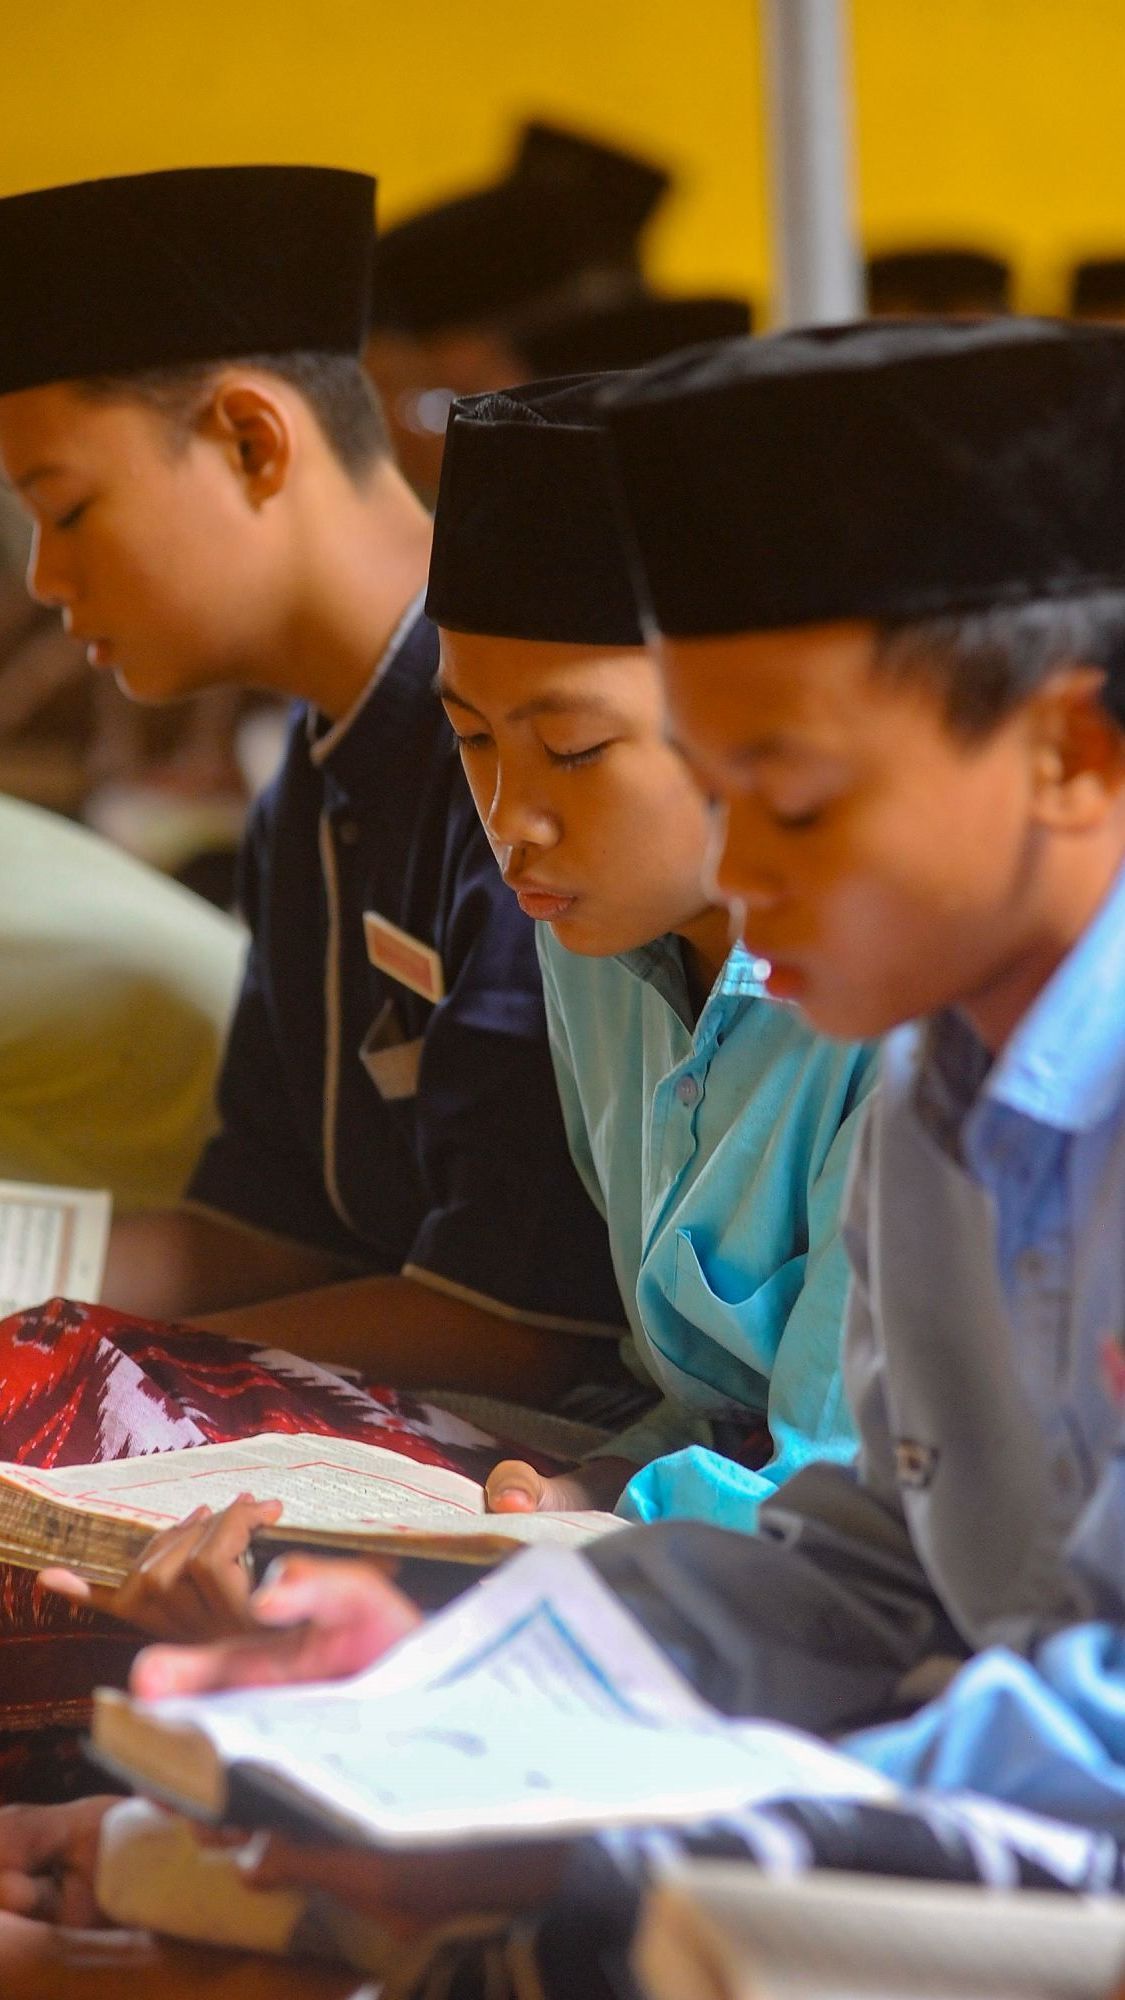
(52, 1240)
(533, 1705)
(334, 1490)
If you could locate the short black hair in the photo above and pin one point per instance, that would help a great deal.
(335, 386)
(983, 664)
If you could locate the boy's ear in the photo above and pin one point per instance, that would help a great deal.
(1078, 750)
(253, 428)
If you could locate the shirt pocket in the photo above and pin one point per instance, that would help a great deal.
(726, 1327)
(392, 1065)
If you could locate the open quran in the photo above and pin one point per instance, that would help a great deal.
(52, 1240)
(337, 1495)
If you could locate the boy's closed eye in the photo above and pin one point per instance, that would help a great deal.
(572, 759)
(562, 759)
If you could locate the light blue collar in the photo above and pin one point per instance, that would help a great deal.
(1065, 1063)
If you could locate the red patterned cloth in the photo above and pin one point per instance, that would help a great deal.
(80, 1384)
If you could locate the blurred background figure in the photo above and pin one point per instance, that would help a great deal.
(459, 285)
(952, 280)
(1097, 289)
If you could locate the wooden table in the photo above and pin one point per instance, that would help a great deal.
(40, 1964)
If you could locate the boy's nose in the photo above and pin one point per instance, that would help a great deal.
(518, 822)
(46, 577)
(743, 884)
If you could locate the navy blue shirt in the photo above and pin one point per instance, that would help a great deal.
(399, 1132)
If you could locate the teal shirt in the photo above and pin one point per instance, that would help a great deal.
(717, 1150)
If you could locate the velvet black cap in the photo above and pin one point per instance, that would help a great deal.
(630, 334)
(562, 224)
(938, 278)
(626, 188)
(110, 277)
(527, 533)
(878, 471)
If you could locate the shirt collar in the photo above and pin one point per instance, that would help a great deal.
(1064, 1064)
(661, 964)
(325, 737)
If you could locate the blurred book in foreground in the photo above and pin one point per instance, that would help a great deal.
(715, 1930)
(534, 1707)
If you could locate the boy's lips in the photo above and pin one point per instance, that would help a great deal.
(543, 904)
(99, 651)
(783, 978)
(785, 981)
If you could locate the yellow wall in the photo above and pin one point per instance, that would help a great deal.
(1003, 119)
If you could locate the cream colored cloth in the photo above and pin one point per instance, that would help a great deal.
(153, 1875)
(115, 990)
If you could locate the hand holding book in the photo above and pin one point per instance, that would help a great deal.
(192, 1582)
(93, 1526)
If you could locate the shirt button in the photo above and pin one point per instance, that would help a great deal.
(688, 1091)
(347, 832)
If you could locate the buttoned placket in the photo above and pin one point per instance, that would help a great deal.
(1023, 1166)
(676, 1106)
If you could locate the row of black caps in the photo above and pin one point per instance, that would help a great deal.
(873, 471)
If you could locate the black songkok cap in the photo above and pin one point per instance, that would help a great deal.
(629, 335)
(626, 188)
(892, 471)
(527, 534)
(563, 224)
(939, 280)
(1097, 288)
(111, 277)
(480, 259)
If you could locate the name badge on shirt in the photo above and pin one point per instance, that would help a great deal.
(403, 957)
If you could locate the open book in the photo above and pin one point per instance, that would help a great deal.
(535, 1705)
(720, 1930)
(52, 1242)
(337, 1495)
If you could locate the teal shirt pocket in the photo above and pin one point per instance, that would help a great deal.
(719, 1332)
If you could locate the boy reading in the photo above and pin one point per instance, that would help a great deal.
(184, 415)
(711, 1129)
(891, 614)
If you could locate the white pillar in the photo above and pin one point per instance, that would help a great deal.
(808, 117)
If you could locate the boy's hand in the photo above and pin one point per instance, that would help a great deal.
(337, 1617)
(47, 1860)
(515, 1488)
(192, 1582)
